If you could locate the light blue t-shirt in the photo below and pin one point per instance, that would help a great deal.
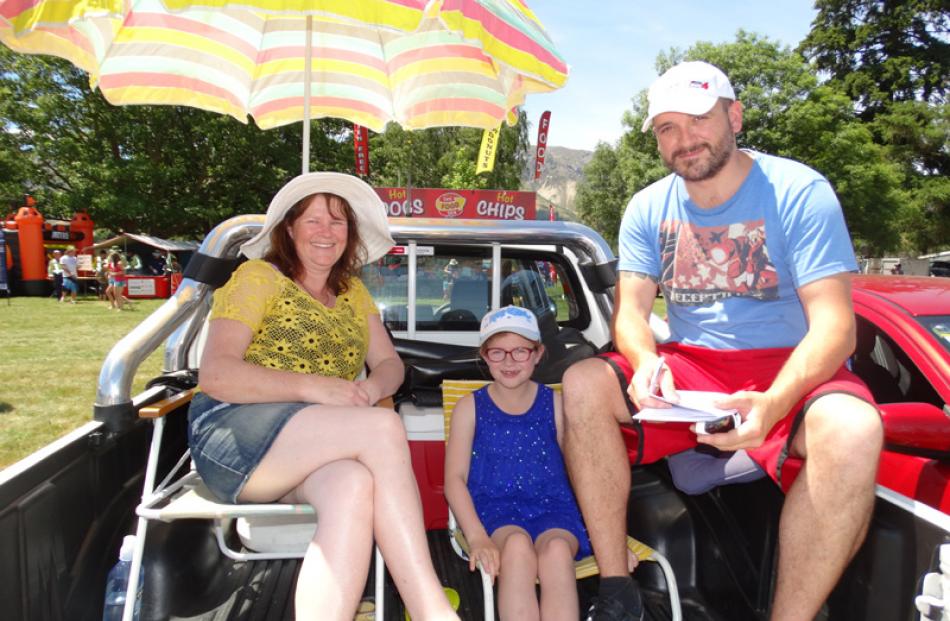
(730, 274)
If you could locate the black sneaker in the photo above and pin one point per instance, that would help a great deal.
(612, 610)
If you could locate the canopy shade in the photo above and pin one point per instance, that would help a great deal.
(148, 240)
(420, 64)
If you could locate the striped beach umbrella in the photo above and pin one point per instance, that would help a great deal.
(415, 62)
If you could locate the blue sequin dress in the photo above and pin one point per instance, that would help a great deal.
(517, 475)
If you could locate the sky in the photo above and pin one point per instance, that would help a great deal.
(611, 48)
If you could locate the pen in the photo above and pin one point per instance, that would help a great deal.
(655, 379)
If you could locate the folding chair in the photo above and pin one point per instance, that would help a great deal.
(269, 531)
(452, 391)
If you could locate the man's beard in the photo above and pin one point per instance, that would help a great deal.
(702, 168)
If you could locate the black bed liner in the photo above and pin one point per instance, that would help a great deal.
(263, 590)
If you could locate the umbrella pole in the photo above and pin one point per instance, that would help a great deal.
(308, 52)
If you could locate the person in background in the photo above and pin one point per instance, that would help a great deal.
(505, 479)
(70, 265)
(754, 260)
(54, 272)
(114, 292)
(156, 264)
(450, 274)
(283, 413)
(135, 266)
(171, 264)
(102, 273)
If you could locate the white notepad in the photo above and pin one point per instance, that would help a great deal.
(695, 406)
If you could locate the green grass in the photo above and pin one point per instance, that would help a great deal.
(50, 356)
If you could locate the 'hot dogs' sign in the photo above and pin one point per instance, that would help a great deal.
(442, 203)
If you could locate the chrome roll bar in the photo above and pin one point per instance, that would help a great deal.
(179, 318)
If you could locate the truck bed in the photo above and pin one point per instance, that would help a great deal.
(263, 590)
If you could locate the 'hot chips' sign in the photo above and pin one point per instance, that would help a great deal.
(443, 203)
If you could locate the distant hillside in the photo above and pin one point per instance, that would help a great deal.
(563, 170)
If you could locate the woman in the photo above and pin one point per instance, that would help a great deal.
(281, 415)
(116, 281)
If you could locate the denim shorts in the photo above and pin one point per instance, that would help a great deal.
(228, 440)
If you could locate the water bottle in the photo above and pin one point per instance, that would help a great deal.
(117, 584)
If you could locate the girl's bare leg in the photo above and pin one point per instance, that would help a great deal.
(517, 600)
(375, 437)
(556, 549)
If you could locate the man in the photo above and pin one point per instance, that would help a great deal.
(70, 266)
(54, 271)
(753, 257)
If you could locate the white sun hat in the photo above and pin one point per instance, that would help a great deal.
(515, 319)
(692, 87)
(368, 208)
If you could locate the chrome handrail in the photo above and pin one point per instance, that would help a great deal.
(181, 317)
(171, 321)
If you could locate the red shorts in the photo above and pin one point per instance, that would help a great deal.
(729, 371)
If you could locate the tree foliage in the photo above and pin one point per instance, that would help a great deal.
(177, 172)
(891, 59)
(787, 113)
(445, 157)
(883, 51)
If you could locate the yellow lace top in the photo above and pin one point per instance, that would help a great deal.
(293, 331)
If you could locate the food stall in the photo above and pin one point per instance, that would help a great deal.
(149, 276)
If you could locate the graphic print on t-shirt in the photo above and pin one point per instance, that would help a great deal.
(701, 265)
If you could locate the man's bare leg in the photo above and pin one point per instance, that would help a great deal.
(596, 459)
(828, 508)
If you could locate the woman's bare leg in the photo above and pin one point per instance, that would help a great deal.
(333, 573)
(374, 437)
(517, 600)
(556, 549)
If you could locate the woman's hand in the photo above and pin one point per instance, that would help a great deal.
(336, 391)
(373, 392)
(484, 551)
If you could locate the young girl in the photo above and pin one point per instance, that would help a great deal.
(116, 281)
(505, 478)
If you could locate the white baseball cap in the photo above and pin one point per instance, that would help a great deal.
(514, 319)
(692, 87)
(368, 208)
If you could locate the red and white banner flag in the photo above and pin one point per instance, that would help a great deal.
(361, 149)
(543, 125)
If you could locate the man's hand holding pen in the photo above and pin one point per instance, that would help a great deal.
(650, 381)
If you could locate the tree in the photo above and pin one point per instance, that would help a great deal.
(600, 197)
(915, 135)
(883, 51)
(447, 156)
(892, 59)
(787, 114)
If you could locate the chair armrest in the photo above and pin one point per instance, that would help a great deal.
(163, 407)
